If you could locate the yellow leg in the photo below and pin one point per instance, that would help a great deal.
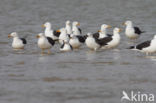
(49, 52)
(42, 51)
(147, 54)
(90, 51)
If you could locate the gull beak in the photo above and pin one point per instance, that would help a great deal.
(99, 31)
(78, 24)
(109, 26)
(43, 26)
(9, 36)
(58, 31)
(123, 24)
(120, 30)
(37, 36)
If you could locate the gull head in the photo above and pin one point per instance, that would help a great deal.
(13, 34)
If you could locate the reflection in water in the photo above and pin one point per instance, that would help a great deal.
(43, 58)
(18, 51)
(116, 54)
(152, 58)
(90, 55)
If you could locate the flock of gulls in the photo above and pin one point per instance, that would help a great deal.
(70, 37)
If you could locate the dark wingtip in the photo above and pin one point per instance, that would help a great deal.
(131, 47)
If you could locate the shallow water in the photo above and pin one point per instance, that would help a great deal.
(81, 76)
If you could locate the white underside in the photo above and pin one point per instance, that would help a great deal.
(75, 43)
(44, 44)
(150, 49)
(17, 44)
(90, 42)
(132, 36)
(66, 48)
(115, 42)
(130, 33)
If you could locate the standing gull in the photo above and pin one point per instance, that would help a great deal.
(77, 30)
(132, 32)
(76, 41)
(91, 42)
(45, 43)
(111, 41)
(49, 32)
(18, 43)
(102, 32)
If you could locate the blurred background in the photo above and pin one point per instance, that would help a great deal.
(80, 76)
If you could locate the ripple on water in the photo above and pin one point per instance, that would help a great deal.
(3, 43)
(58, 79)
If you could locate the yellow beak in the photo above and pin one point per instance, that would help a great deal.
(9, 36)
(123, 24)
(99, 31)
(109, 26)
(78, 24)
(120, 30)
(43, 26)
(37, 36)
(58, 31)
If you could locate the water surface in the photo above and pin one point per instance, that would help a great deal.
(80, 76)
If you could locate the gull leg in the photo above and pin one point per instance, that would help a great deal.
(90, 51)
(131, 42)
(42, 52)
(116, 50)
(135, 40)
(147, 53)
(150, 54)
(49, 52)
